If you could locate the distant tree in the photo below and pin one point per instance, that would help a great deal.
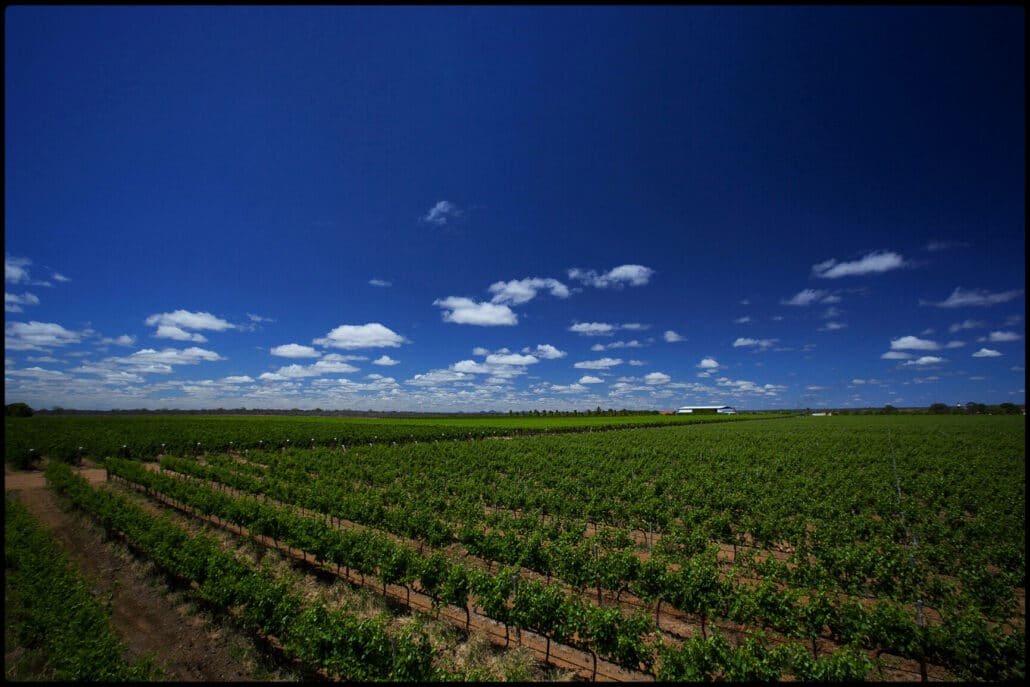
(939, 409)
(18, 410)
(889, 410)
(1008, 409)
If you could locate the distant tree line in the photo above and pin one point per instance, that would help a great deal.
(971, 408)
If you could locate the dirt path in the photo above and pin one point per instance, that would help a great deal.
(143, 612)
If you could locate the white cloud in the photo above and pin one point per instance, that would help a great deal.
(896, 355)
(635, 326)
(955, 344)
(150, 360)
(371, 335)
(672, 337)
(123, 340)
(913, 343)
(461, 310)
(565, 389)
(295, 371)
(168, 331)
(592, 328)
(27, 336)
(14, 269)
(546, 352)
(588, 379)
(332, 364)
(258, 318)
(966, 324)
(925, 360)
(436, 377)
(237, 379)
(743, 320)
(937, 246)
(832, 326)
(976, 297)
(13, 302)
(875, 262)
(185, 319)
(385, 360)
(511, 359)
(759, 343)
(1000, 337)
(518, 291)
(634, 275)
(657, 378)
(57, 276)
(708, 364)
(601, 364)
(810, 296)
(986, 353)
(597, 348)
(293, 350)
(382, 283)
(440, 213)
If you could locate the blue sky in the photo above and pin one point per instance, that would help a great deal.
(473, 208)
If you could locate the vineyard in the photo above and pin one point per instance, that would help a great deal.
(886, 548)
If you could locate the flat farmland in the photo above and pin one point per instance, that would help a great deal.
(882, 548)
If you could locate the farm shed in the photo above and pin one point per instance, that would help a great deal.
(725, 410)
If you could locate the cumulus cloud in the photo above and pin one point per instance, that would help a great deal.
(28, 336)
(168, 331)
(592, 328)
(743, 320)
(896, 355)
(511, 359)
(832, 326)
(588, 379)
(442, 212)
(57, 276)
(237, 379)
(371, 335)
(672, 337)
(123, 340)
(15, 269)
(955, 344)
(436, 377)
(460, 310)
(873, 263)
(333, 363)
(657, 378)
(1000, 337)
(546, 352)
(810, 296)
(925, 360)
(708, 364)
(966, 324)
(637, 363)
(385, 360)
(151, 360)
(184, 319)
(601, 364)
(975, 297)
(382, 283)
(986, 353)
(757, 343)
(518, 291)
(913, 343)
(617, 277)
(293, 350)
(258, 318)
(13, 302)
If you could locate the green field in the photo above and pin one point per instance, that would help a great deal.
(815, 548)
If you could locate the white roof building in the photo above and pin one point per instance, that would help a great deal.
(690, 409)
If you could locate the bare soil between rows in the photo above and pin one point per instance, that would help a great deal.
(144, 613)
